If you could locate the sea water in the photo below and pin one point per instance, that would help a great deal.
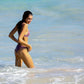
(56, 37)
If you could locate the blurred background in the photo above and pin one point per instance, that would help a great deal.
(56, 37)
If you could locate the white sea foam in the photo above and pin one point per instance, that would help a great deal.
(72, 60)
(12, 75)
(16, 75)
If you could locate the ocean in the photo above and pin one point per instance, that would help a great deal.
(56, 37)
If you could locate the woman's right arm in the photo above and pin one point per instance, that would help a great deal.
(20, 39)
(11, 34)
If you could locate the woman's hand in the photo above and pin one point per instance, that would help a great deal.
(29, 48)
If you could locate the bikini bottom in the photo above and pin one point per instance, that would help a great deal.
(19, 47)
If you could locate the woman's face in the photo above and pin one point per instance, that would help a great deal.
(29, 19)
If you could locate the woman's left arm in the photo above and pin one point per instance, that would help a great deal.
(11, 34)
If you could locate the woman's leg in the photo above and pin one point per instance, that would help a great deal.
(24, 55)
(18, 60)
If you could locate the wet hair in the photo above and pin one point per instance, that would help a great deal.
(25, 15)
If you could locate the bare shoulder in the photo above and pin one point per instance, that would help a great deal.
(24, 24)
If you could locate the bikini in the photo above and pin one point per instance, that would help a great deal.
(19, 46)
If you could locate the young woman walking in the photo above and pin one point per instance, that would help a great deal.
(23, 48)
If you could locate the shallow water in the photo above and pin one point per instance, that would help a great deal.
(11, 74)
(57, 39)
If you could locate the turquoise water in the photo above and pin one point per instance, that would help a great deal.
(56, 37)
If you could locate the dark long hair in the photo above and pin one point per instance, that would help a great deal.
(25, 15)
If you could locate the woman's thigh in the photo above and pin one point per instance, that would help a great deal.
(18, 60)
(25, 56)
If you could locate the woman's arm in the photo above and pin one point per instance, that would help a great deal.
(11, 34)
(20, 39)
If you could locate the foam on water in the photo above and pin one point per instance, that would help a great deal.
(10, 75)
(16, 75)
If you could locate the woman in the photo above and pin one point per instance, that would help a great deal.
(23, 48)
